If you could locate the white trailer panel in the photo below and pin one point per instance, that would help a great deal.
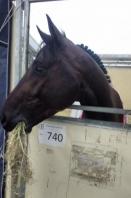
(72, 160)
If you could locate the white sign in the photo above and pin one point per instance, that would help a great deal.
(51, 134)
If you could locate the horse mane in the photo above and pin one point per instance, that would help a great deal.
(97, 59)
(92, 54)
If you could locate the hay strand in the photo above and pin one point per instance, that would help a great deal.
(17, 161)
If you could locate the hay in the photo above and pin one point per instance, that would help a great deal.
(16, 158)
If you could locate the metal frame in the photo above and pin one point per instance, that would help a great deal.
(90, 122)
(16, 55)
(96, 122)
(26, 36)
(116, 60)
(111, 60)
(21, 31)
(102, 109)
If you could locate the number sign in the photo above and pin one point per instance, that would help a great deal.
(51, 134)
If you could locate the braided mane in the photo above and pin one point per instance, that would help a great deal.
(97, 59)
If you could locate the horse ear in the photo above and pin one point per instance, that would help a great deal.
(55, 33)
(45, 37)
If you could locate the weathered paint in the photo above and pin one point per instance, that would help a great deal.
(94, 162)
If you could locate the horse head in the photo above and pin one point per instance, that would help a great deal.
(49, 85)
(60, 74)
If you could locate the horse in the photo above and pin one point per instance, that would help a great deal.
(61, 73)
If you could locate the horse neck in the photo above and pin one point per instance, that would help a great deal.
(88, 98)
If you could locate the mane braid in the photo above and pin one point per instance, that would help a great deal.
(97, 59)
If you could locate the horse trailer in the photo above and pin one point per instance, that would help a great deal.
(72, 157)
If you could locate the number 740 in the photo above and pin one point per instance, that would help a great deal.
(55, 136)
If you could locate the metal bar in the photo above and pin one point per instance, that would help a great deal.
(120, 57)
(19, 54)
(16, 48)
(90, 122)
(117, 61)
(4, 44)
(36, 1)
(115, 65)
(102, 109)
(26, 16)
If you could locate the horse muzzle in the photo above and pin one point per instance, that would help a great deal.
(6, 124)
(9, 123)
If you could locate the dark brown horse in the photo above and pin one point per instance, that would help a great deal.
(61, 74)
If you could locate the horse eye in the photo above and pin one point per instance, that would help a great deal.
(40, 69)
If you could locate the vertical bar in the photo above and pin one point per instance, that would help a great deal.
(20, 59)
(4, 64)
(25, 37)
(16, 49)
(20, 39)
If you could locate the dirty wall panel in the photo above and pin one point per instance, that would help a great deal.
(75, 160)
